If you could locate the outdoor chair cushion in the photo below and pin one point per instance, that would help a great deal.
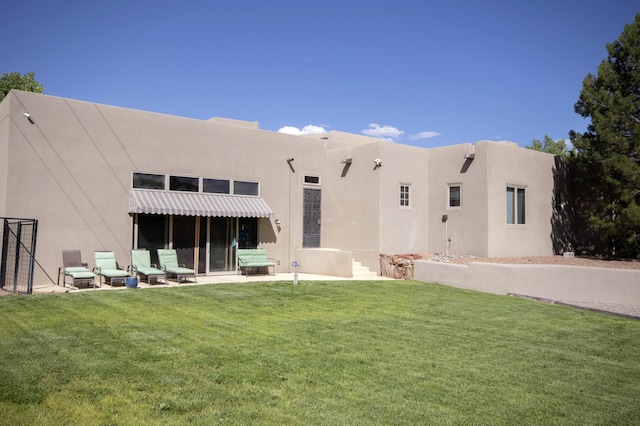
(141, 263)
(106, 266)
(254, 258)
(168, 259)
(79, 272)
(75, 268)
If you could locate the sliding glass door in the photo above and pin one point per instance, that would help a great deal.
(222, 244)
(206, 244)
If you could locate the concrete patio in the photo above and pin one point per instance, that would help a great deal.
(202, 280)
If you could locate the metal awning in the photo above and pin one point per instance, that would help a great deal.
(197, 204)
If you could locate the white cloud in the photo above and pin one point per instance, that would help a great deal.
(383, 132)
(568, 143)
(308, 129)
(424, 135)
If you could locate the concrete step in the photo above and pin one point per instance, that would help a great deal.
(362, 272)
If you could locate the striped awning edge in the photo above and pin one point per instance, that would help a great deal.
(192, 204)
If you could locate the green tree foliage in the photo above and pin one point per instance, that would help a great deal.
(15, 80)
(550, 146)
(608, 153)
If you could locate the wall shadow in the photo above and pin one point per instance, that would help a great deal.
(563, 235)
(571, 229)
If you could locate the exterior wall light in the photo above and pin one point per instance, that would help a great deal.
(28, 117)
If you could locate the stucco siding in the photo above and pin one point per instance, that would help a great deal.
(554, 282)
(464, 232)
(403, 229)
(5, 127)
(509, 165)
(72, 170)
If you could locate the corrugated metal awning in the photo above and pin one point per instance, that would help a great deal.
(197, 204)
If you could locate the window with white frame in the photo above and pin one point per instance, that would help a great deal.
(246, 188)
(404, 195)
(312, 180)
(516, 213)
(455, 195)
(148, 181)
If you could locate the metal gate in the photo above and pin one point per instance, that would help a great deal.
(311, 218)
(18, 255)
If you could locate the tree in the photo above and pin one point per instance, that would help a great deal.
(15, 80)
(608, 153)
(550, 146)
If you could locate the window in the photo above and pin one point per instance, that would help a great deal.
(404, 195)
(245, 188)
(181, 183)
(216, 186)
(315, 180)
(515, 205)
(454, 196)
(148, 181)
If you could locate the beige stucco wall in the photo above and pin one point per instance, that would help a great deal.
(6, 125)
(403, 229)
(554, 282)
(465, 230)
(333, 262)
(508, 164)
(350, 194)
(72, 171)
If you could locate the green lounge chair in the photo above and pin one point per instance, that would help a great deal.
(107, 267)
(168, 259)
(74, 268)
(141, 266)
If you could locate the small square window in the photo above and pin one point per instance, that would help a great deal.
(455, 198)
(404, 195)
(315, 180)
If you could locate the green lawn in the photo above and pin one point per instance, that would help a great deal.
(388, 352)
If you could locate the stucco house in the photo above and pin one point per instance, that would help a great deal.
(100, 177)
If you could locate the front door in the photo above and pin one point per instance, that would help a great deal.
(311, 218)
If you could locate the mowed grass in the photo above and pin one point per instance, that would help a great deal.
(388, 352)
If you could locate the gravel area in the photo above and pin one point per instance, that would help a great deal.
(630, 311)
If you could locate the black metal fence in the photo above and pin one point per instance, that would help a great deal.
(18, 242)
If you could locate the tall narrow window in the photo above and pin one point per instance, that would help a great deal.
(404, 195)
(516, 205)
(520, 208)
(454, 196)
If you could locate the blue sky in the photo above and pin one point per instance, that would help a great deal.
(419, 72)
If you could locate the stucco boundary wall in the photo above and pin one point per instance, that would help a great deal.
(333, 262)
(555, 282)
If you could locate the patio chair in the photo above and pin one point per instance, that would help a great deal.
(74, 268)
(168, 259)
(141, 266)
(107, 267)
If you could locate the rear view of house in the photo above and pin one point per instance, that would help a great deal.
(104, 178)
